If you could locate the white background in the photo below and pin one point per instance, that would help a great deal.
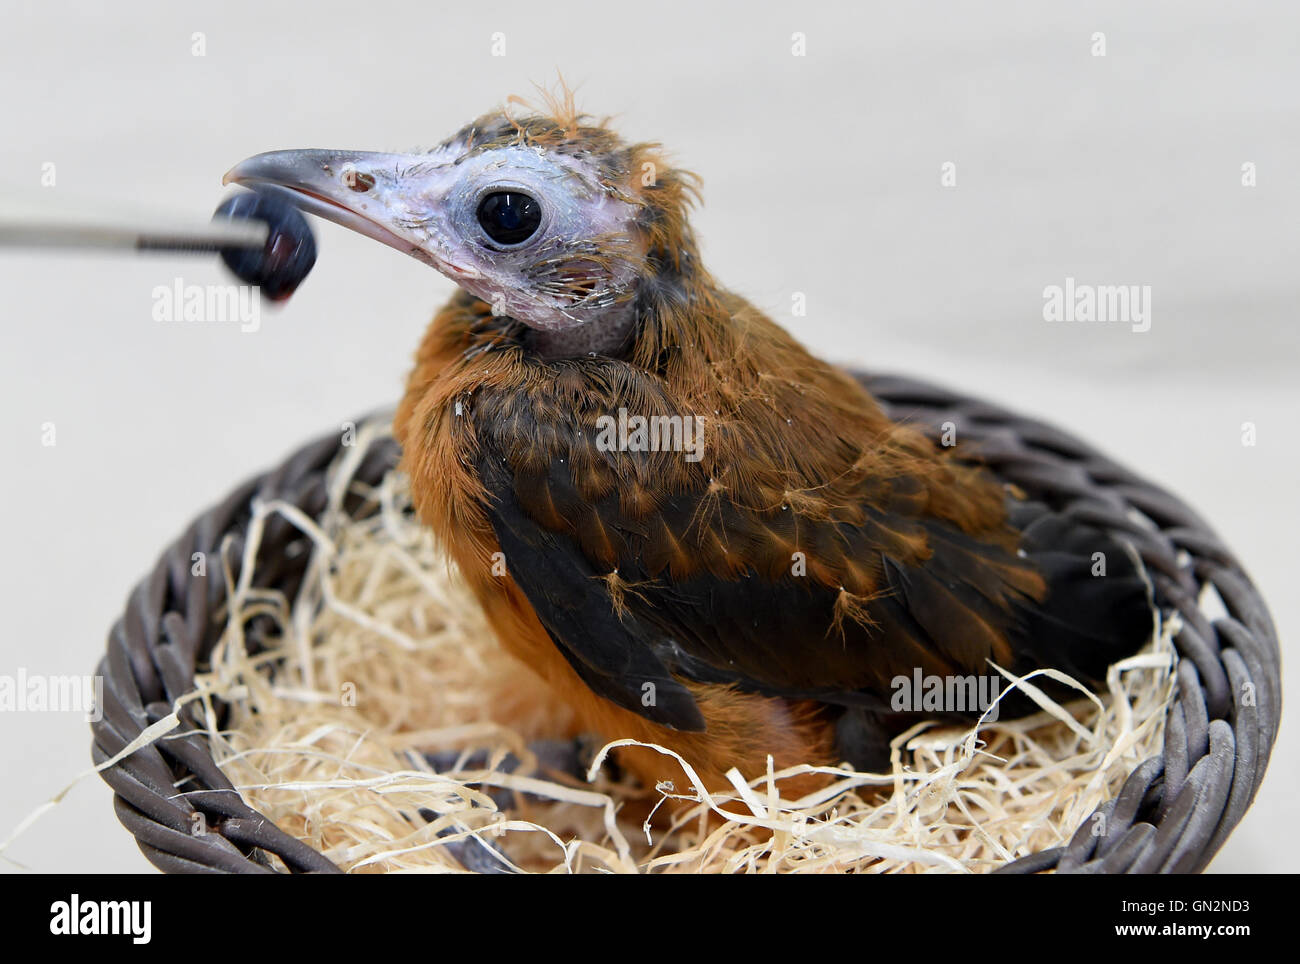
(821, 175)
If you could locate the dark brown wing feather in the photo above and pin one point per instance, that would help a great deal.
(777, 602)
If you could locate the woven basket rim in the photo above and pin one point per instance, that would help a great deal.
(1172, 814)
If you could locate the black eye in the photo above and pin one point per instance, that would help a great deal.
(509, 217)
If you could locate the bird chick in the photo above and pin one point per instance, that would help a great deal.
(756, 589)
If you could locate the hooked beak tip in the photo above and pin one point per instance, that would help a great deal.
(254, 168)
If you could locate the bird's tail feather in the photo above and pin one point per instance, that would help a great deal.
(1098, 606)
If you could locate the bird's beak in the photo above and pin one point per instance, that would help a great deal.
(382, 196)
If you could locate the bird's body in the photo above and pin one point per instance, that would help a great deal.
(758, 591)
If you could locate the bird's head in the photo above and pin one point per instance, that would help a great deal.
(551, 219)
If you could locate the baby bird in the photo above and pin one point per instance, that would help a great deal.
(700, 534)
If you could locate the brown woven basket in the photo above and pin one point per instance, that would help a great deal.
(1171, 816)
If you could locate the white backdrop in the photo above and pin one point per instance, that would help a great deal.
(821, 175)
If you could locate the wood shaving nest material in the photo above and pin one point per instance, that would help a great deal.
(383, 656)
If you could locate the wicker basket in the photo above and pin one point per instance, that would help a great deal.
(1171, 816)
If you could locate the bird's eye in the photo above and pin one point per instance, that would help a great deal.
(509, 217)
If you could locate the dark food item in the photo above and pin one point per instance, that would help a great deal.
(290, 251)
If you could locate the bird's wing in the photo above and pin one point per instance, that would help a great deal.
(774, 602)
